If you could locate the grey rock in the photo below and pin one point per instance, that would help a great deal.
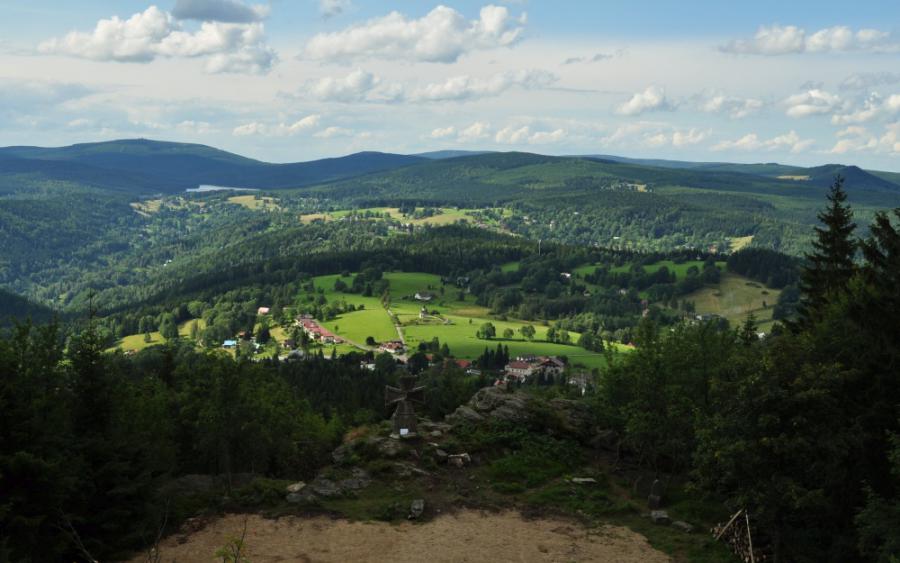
(660, 517)
(388, 447)
(683, 526)
(296, 487)
(459, 460)
(584, 480)
(325, 487)
(464, 414)
(359, 479)
(341, 453)
(416, 509)
(440, 455)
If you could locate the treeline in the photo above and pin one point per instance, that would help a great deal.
(802, 428)
(89, 440)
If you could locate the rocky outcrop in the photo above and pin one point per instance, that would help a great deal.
(492, 403)
(572, 417)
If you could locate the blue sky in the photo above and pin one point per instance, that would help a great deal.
(797, 82)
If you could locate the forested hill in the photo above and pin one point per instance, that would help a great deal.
(514, 176)
(142, 166)
(13, 306)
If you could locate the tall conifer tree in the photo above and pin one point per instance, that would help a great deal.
(830, 266)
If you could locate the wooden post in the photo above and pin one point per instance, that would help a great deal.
(728, 525)
(749, 537)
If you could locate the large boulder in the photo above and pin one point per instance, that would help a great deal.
(492, 403)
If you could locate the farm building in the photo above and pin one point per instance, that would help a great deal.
(392, 347)
(524, 367)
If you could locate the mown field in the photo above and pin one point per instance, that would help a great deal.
(734, 298)
(447, 215)
(456, 322)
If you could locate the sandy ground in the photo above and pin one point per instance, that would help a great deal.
(466, 536)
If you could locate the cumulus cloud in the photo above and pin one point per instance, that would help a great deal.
(331, 8)
(354, 87)
(751, 142)
(651, 99)
(789, 39)
(524, 135)
(303, 125)
(332, 132)
(153, 33)
(461, 88)
(476, 131)
(443, 35)
(443, 132)
(733, 106)
(873, 107)
(811, 102)
(227, 11)
(867, 80)
(595, 58)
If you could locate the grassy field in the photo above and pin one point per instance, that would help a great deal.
(456, 324)
(737, 243)
(448, 215)
(264, 203)
(136, 341)
(734, 298)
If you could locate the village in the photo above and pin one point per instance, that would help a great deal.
(306, 335)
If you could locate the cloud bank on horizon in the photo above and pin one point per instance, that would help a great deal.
(292, 81)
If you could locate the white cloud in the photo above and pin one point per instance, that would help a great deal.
(354, 87)
(228, 11)
(331, 8)
(811, 102)
(867, 80)
(689, 137)
(461, 88)
(751, 142)
(476, 131)
(153, 33)
(332, 132)
(872, 108)
(443, 35)
(657, 137)
(595, 58)
(443, 132)
(524, 135)
(651, 99)
(735, 107)
(281, 130)
(783, 40)
(194, 127)
(856, 138)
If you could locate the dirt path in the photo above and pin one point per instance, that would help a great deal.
(468, 536)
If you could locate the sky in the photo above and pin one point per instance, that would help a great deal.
(291, 80)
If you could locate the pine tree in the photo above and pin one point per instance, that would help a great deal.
(830, 266)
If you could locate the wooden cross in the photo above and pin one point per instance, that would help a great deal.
(401, 400)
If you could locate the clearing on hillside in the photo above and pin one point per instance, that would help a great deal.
(465, 536)
(734, 298)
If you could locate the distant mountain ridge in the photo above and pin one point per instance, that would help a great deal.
(145, 166)
(141, 167)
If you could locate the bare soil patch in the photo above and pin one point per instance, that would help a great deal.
(467, 535)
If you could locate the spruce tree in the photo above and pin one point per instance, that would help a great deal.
(830, 266)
